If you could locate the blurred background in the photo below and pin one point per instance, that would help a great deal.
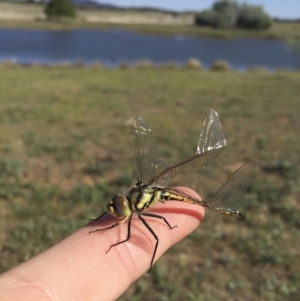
(74, 74)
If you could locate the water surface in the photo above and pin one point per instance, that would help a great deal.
(114, 46)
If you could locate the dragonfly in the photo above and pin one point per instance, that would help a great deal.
(153, 176)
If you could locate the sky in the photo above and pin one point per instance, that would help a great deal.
(289, 9)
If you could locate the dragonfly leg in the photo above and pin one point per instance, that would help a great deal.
(154, 235)
(110, 227)
(95, 219)
(128, 232)
(161, 217)
(152, 232)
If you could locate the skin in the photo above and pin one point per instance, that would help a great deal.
(78, 268)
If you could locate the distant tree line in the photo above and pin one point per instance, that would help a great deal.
(229, 14)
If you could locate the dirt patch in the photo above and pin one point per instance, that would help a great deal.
(136, 18)
(20, 16)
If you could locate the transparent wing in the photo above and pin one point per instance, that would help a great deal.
(230, 196)
(232, 193)
(211, 136)
(146, 153)
(210, 145)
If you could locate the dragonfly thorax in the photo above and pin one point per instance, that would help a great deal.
(143, 197)
(119, 206)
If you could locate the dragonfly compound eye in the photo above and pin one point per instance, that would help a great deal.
(119, 205)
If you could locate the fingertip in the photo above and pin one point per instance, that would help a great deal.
(170, 222)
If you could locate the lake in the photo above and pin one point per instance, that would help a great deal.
(111, 47)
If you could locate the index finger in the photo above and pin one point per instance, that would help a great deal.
(79, 267)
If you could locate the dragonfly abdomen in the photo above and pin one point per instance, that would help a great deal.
(171, 196)
(229, 211)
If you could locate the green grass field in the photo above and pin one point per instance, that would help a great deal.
(66, 149)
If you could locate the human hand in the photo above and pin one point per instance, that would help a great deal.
(78, 268)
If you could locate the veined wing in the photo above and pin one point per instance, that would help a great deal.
(211, 136)
(228, 198)
(210, 145)
(146, 153)
(192, 164)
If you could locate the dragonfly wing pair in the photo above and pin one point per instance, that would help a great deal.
(146, 154)
(153, 172)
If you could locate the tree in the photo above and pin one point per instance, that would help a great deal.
(253, 17)
(208, 18)
(228, 10)
(60, 8)
(229, 14)
(223, 14)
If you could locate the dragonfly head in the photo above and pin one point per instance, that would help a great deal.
(119, 206)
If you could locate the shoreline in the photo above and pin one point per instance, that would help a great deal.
(191, 64)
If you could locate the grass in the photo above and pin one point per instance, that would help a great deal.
(31, 16)
(66, 149)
